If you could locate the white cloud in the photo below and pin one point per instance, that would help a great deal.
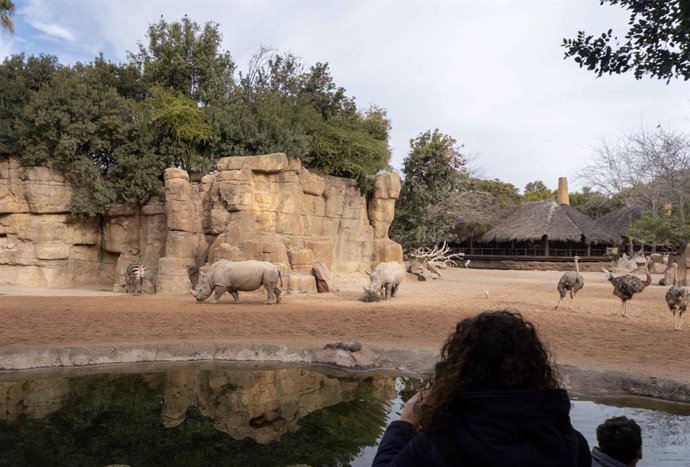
(53, 30)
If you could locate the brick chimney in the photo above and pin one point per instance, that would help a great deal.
(563, 196)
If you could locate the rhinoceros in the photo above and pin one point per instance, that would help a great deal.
(386, 278)
(234, 276)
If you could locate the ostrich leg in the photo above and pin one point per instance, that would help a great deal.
(625, 309)
(572, 299)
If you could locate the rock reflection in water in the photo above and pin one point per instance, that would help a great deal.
(258, 404)
(192, 415)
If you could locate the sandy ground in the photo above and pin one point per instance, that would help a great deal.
(591, 336)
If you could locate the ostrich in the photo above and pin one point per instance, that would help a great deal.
(624, 287)
(677, 299)
(570, 281)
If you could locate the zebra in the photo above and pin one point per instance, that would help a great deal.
(134, 278)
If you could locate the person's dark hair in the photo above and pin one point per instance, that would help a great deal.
(620, 438)
(493, 351)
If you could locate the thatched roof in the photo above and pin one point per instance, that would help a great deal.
(618, 222)
(559, 222)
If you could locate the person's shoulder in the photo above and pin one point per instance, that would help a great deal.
(601, 459)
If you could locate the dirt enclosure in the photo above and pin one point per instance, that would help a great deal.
(591, 336)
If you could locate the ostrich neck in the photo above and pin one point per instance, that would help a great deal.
(675, 273)
(649, 276)
(577, 266)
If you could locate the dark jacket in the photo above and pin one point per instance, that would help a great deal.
(599, 459)
(507, 429)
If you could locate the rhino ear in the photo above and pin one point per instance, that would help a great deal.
(368, 273)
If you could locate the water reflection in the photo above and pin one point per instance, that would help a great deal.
(230, 415)
(183, 416)
(665, 426)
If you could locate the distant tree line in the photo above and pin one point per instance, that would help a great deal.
(179, 101)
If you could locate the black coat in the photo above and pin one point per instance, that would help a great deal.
(507, 429)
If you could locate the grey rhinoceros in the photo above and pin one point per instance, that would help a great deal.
(234, 276)
(386, 278)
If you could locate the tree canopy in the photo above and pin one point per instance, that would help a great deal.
(657, 43)
(432, 174)
(179, 101)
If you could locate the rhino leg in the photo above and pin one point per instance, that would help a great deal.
(235, 296)
(277, 292)
(271, 293)
(389, 290)
(217, 292)
(394, 290)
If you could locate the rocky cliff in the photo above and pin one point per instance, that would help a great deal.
(255, 207)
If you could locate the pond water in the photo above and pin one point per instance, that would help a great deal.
(238, 415)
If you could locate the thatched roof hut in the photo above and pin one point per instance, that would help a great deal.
(550, 221)
(618, 222)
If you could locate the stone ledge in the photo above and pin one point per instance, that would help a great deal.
(593, 382)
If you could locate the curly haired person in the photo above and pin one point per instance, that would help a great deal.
(494, 400)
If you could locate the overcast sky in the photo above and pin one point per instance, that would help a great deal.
(490, 73)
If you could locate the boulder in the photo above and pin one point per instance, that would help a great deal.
(324, 280)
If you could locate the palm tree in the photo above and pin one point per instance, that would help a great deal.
(7, 10)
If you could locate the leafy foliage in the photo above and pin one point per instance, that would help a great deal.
(82, 126)
(20, 77)
(657, 43)
(6, 11)
(348, 151)
(178, 118)
(480, 204)
(662, 228)
(594, 203)
(432, 174)
(537, 191)
(113, 128)
(186, 58)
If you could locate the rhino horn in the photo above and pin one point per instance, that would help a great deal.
(194, 292)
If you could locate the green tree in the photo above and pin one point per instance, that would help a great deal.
(537, 191)
(83, 127)
(480, 204)
(264, 113)
(432, 174)
(184, 57)
(20, 77)
(663, 228)
(181, 129)
(6, 11)
(280, 106)
(657, 43)
(594, 203)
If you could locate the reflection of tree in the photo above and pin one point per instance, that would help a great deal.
(410, 385)
(117, 419)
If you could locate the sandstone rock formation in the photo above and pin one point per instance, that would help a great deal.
(264, 207)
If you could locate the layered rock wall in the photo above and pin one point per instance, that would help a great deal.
(256, 207)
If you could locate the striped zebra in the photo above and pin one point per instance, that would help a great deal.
(134, 278)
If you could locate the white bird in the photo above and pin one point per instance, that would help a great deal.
(467, 263)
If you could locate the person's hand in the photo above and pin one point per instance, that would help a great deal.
(410, 413)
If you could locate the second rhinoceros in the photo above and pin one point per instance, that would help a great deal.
(386, 278)
(234, 276)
